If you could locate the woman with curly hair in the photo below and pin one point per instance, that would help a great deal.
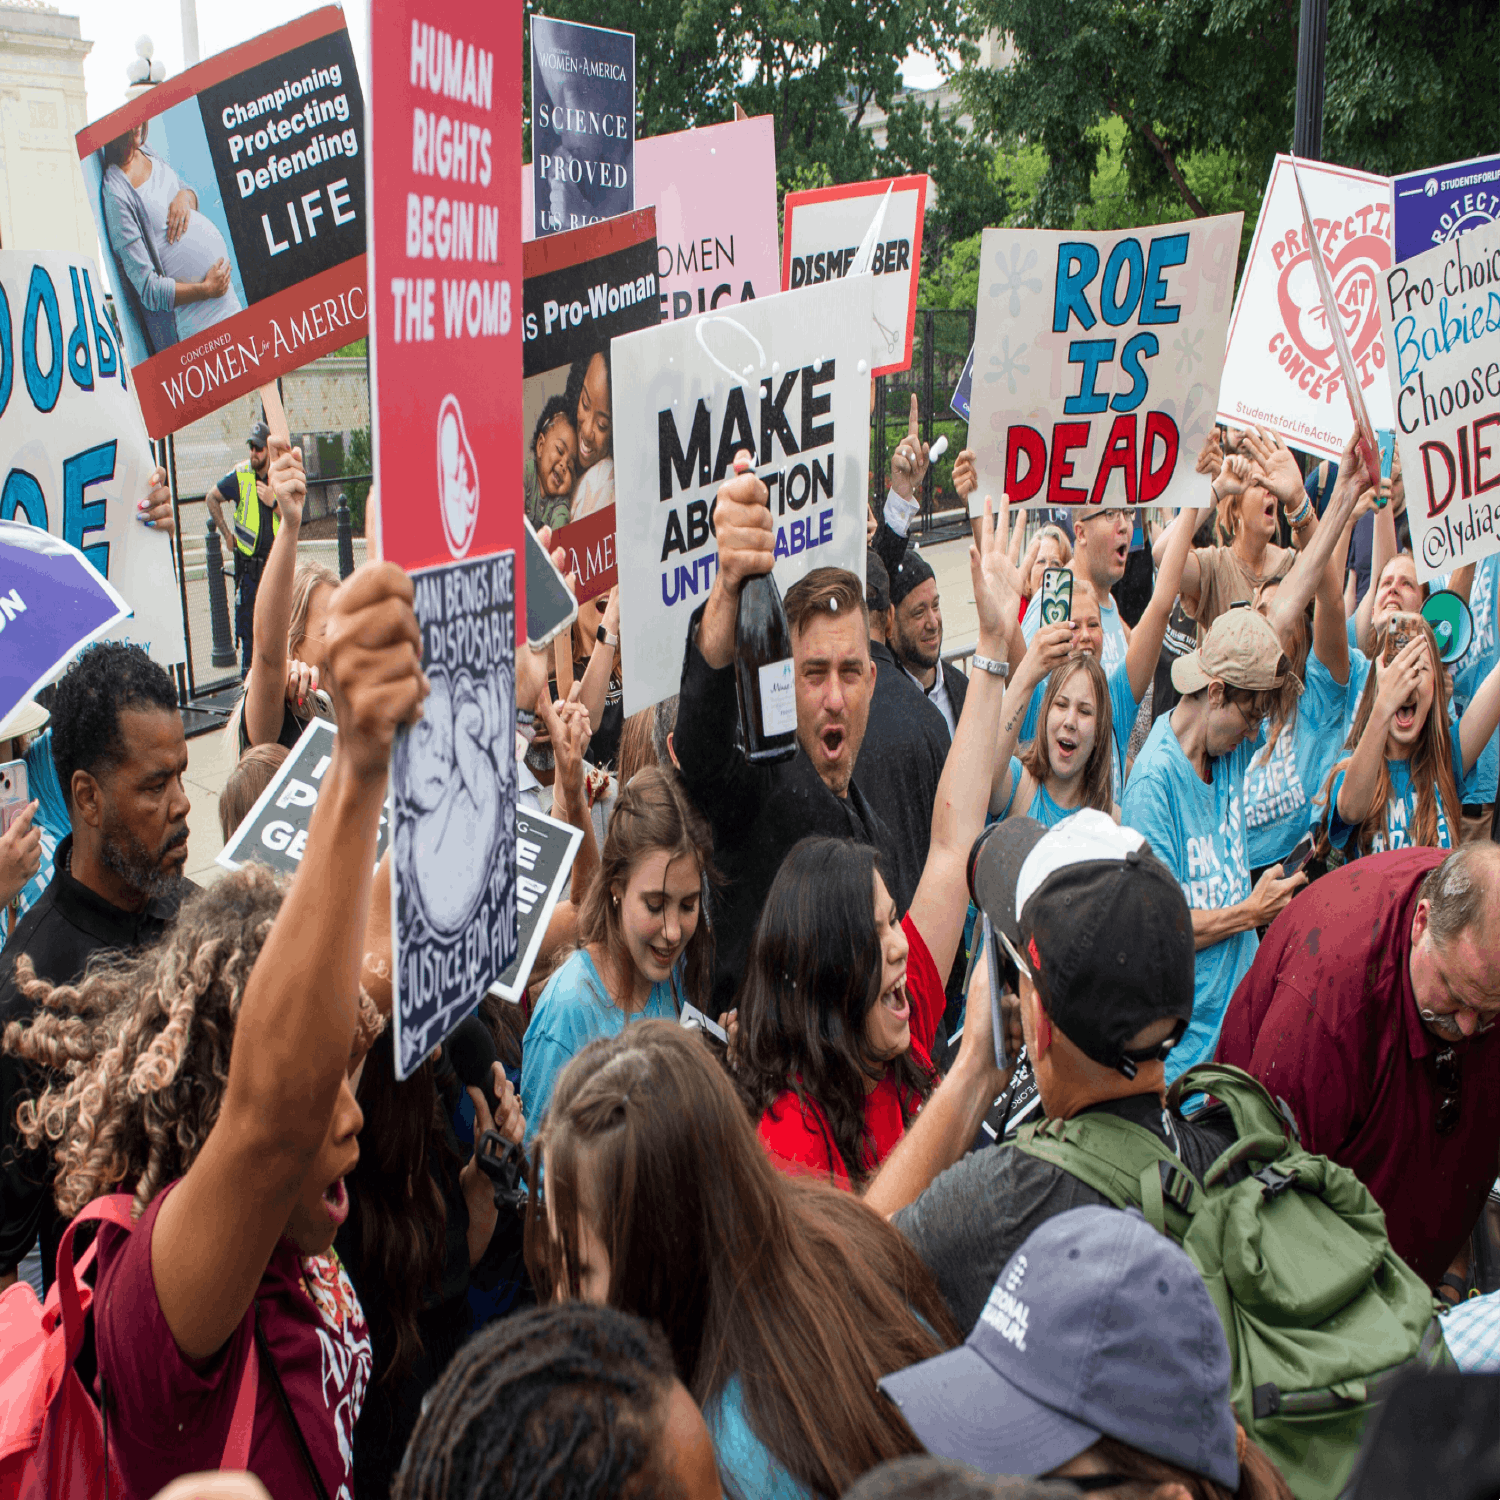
(209, 1078)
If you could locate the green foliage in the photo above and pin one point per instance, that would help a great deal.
(358, 461)
(356, 350)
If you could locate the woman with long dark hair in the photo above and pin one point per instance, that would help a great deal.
(784, 1301)
(644, 949)
(589, 399)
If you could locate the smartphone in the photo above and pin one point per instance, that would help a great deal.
(13, 792)
(550, 605)
(1298, 857)
(997, 1020)
(322, 704)
(1401, 629)
(1057, 596)
(1387, 440)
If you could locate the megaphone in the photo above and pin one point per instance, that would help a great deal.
(1452, 624)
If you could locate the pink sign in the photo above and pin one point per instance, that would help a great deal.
(715, 195)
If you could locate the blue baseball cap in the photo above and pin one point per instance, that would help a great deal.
(1098, 1327)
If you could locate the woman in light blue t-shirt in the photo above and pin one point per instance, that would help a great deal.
(645, 949)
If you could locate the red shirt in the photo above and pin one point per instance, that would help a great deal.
(798, 1136)
(170, 1416)
(1327, 1020)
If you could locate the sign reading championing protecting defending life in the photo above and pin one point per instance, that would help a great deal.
(1281, 369)
(453, 800)
(74, 460)
(230, 203)
(825, 228)
(786, 378)
(582, 124)
(1432, 207)
(445, 277)
(1440, 317)
(1096, 361)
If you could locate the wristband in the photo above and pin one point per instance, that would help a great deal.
(605, 638)
(1000, 669)
(899, 513)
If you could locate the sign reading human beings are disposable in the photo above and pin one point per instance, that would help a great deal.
(74, 460)
(445, 277)
(1440, 320)
(230, 203)
(1096, 361)
(582, 123)
(1281, 369)
(786, 378)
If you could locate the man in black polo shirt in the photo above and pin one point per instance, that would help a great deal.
(120, 753)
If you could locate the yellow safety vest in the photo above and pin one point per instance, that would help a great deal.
(247, 512)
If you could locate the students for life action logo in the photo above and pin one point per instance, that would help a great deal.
(458, 477)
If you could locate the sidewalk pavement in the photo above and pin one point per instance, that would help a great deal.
(210, 760)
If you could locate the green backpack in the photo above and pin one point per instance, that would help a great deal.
(1320, 1313)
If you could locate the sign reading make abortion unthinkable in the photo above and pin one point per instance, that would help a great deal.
(230, 203)
(1432, 207)
(1096, 361)
(445, 277)
(786, 377)
(582, 123)
(453, 797)
(1281, 369)
(74, 460)
(1440, 316)
(581, 289)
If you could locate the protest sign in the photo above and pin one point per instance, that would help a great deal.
(445, 356)
(824, 230)
(545, 851)
(1096, 361)
(230, 201)
(582, 123)
(453, 800)
(74, 459)
(581, 288)
(786, 377)
(959, 401)
(1281, 368)
(1440, 317)
(53, 602)
(274, 831)
(1429, 208)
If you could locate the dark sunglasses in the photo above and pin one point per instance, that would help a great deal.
(1450, 1089)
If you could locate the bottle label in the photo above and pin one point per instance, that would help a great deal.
(778, 698)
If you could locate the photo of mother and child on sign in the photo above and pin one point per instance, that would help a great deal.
(570, 467)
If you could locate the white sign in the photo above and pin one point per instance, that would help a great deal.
(787, 377)
(825, 229)
(1440, 318)
(1096, 361)
(1282, 370)
(74, 459)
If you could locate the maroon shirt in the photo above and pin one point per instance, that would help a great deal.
(170, 1416)
(1326, 1019)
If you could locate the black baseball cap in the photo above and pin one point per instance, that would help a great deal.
(259, 435)
(1097, 922)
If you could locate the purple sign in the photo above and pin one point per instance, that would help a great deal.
(1442, 203)
(53, 602)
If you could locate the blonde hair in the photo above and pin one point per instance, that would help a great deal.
(139, 1047)
(246, 782)
(304, 585)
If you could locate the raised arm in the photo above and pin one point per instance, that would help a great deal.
(1330, 634)
(1144, 651)
(963, 793)
(265, 685)
(1383, 548)
(594, 688)
(297, 1021)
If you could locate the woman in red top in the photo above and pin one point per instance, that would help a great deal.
(842, 995)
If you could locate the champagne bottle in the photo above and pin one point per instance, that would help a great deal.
(763, 673)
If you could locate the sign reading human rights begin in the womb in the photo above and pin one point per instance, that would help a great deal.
(1096, 361)
(230, 203)
(445, 278)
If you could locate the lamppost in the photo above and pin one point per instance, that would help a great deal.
(1312, 46)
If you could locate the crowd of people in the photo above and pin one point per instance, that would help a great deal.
(875, 1122)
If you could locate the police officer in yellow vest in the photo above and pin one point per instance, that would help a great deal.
(255, 524)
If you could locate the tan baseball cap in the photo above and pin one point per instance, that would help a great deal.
(27, 716)
(1240, 649)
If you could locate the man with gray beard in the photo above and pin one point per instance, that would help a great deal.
(120, 754)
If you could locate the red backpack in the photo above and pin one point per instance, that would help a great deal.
(54, 1441)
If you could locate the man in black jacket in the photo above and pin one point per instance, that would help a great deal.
(118, 746)
(758, 812)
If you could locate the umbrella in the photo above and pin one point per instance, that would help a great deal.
(53, 602)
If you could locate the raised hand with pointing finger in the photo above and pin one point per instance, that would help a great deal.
(910, 460)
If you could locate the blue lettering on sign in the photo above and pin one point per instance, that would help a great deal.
(1077, 265)
(22, 493)
(1169, 250)
(1126, 256)
(1090, 353)
(7, 362)
(80, 367)
(1142, 346)
(92, 466)
(41, 297)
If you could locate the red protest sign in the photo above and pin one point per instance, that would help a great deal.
(445, 278)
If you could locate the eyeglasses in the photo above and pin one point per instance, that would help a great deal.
(1251, 724)
(1450, 1088)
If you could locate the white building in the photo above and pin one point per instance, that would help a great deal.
(42, 197)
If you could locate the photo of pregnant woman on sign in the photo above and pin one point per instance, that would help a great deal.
(570, 470)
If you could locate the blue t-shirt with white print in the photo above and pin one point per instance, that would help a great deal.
(1197, 829)
(1472, 668)
(1400, 812)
